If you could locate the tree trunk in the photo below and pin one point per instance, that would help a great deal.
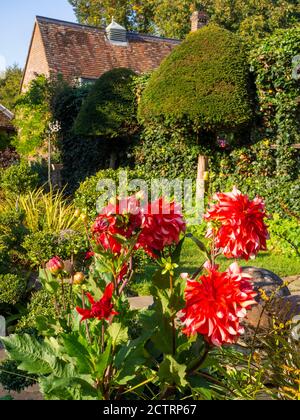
(113, 160)
(201, 178)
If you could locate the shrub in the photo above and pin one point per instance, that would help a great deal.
(110, 112)
(41, 304)
(40, 247)
(13, 379)
(12, 232)
(203, 83)
(164, 153)
(19, 179)
(110, 108)
(33, 114)
(285, 235)
(87, 195)
(12, 289)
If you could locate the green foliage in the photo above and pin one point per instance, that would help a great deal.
(40, 247)
(49, 212)
(200, 85)
(10, 82)
(41, 305)
(166, 153)
(12, 232)
(285, 235)
(81, 157)
(110, 108)
(279, 94)
(5, 141)
(87, 194)
(33, 114)
(13, 379)
(19, 179)
(12, 289)
(134, 15)
(252, 19)
(273, 190)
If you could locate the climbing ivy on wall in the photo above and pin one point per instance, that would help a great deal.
(278, 87)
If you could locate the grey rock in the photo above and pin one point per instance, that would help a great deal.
(267, 281)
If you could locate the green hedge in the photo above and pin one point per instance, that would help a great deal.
(19, 179)
(204, 82)
(110, 107)
(87, 195)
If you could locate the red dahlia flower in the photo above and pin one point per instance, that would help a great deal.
(123, 218)
(55, 266)
(162, 225)
(242, 232)
(217, 303)
(102, 309)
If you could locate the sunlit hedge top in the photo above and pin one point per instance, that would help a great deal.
(110, 108)
(203, 81)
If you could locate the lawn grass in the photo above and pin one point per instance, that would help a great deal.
(191, 259)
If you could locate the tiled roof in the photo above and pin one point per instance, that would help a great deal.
(75, 50)
(5, 118)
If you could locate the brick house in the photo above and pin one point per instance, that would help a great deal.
(83, 53)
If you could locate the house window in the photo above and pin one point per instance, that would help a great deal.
(85, 81)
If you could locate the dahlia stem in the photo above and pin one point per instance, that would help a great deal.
(86, 322)
(102, 337)
(63, 295)
(173, 318)
(71, 289)
(126, 282)
(197, 365)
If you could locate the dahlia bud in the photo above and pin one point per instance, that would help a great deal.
(79, 278)
(55, 266)
(84, 218)
(77, 213)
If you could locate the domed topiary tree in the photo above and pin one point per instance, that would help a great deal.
(204, 84)
(110, 110)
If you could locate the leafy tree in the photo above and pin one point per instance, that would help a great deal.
(253, 19)
(133, 14)
(10, 82)
(110, 110)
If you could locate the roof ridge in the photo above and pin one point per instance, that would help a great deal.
(6, 112)
(76, 24)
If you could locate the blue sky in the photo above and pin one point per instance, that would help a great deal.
(16, 25)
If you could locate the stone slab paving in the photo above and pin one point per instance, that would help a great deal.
(294, 285)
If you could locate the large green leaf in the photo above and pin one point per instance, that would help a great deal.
(35, 357)
(118, 334)
(78, 352)
(172, 373)
(131, 359)
(103, 360)
(74, 388)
